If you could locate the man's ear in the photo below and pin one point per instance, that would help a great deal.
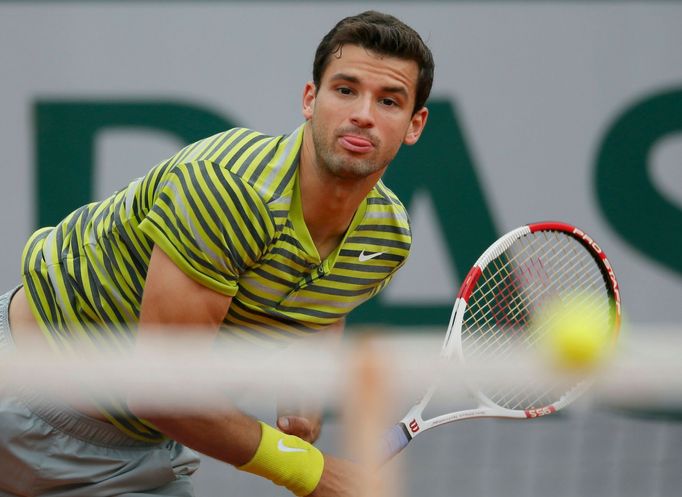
(416, 127)
(309, 94)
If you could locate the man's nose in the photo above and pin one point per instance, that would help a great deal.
(363, 113)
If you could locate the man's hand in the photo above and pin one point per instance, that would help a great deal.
(305, 424)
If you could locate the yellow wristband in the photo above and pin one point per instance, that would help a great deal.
(286, 460)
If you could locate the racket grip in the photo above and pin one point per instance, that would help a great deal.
(395, 440)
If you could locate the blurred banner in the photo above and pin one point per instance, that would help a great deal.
(556, 110)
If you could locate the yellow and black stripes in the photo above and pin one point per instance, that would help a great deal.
(227, 211)
(212, 224)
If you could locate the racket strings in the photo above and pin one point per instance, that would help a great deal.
(477, 314)
(549, 294)
(536, 394)
(529, 296)
(479, 306)
(493, 277)
(516, 286)
(526, 396)
(501, 272)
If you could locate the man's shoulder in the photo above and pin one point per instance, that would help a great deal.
(265, 162)
(382, 199)
(228, 147)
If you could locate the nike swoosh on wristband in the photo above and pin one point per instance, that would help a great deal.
(365, 257)
(285, 448)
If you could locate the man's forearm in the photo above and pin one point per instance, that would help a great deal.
(230, 436)
(234, 437)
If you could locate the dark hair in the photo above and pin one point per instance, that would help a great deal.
(384, 35)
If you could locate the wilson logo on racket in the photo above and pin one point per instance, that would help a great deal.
(414, 426)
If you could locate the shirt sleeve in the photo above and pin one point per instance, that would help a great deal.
(211, 224)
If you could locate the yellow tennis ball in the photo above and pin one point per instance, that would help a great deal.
(575, 334)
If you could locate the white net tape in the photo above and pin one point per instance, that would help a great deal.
(601, 446)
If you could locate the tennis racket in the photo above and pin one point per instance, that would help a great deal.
(495, 314)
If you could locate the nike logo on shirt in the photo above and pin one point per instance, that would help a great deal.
(365, 257)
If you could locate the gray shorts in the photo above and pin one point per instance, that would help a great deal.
(55, 451)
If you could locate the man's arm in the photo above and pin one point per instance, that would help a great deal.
(303, 419)
(173, 304)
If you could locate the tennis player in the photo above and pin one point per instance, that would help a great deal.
(259, 239)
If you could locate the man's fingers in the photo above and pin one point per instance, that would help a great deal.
(295, 425)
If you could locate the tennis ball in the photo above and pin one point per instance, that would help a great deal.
(575, 334)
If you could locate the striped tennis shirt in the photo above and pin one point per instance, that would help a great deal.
(227, 211)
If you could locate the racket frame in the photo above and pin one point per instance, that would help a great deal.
(413, 423)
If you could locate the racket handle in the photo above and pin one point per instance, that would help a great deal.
(395, 440)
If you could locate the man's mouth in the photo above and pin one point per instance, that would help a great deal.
(354, 143)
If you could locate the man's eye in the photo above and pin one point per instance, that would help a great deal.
(344, 91)
(389, 102)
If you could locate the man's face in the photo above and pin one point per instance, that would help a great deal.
(362, 111)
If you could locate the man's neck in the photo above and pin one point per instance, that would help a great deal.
(329, 202)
